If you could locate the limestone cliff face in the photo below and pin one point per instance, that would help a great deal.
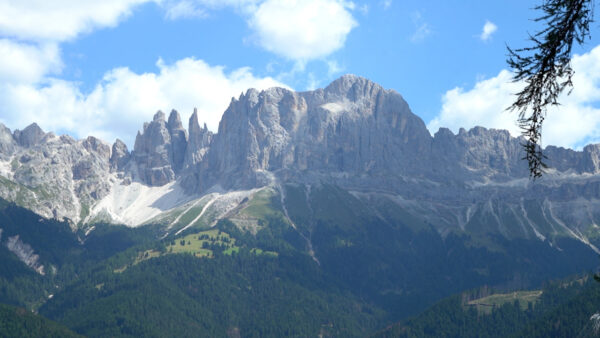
(198, 143)
(353, 133)
(160, 149)
(119, 157)
(352, 126)
(29, 136)
(54, 176)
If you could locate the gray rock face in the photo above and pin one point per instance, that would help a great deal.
(54, 176)
(7, 142)
(591, 159)
(198, 143)
(178, 140)
(119, 156)
(153, 153)
(25, 253)
(353, 134)
(352, 126)
(159, 150)
(29, 136)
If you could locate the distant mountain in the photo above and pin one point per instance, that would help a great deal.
(353, 134)
(345, 179)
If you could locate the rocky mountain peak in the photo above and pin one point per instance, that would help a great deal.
(159, 116)
(153, 152)
(591, 158)
(93, 144)
(29, 136)
(198, 142)
(174, 120)
(7, 142)
(179, 140)
(119, 156)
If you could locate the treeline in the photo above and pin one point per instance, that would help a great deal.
(563, 310)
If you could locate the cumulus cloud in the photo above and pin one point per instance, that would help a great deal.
(184, 9)
(298, 30)
(175, 9)
(123, 100)
(302, 29)
(483, 105)
(60, 20)
(573, 124)
(27, 63)
(489, 28)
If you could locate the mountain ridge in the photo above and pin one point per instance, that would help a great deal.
(353, 134)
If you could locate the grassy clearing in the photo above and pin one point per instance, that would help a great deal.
(201, 245)
(486, 304)
(262, 252)
(260, 205)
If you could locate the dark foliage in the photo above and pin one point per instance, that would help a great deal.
(563, 310)
(18, 322)
(546, 69)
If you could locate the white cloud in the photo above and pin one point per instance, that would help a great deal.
(184, 9)
(572, 124)
(119, 105)
(481, 106)
(26, 63)
(302, 29)
(298, 30)
(489, 28)
(60, 20)
(333, 68)
(422, 28)
(175, 9)
(386, 4)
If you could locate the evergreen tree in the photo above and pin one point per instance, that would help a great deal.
(546, 69)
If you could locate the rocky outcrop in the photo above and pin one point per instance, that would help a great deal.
(152, 152)
(119, 156)
(29, 136)
(25, 253)
(198, 143)
(178, 141)
(7, 142)
(54, 176)
(159, 150)
(353, 126)
(591, 159)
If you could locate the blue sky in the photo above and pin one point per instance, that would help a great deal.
(103, 68)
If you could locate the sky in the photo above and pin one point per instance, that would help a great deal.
(103, 68)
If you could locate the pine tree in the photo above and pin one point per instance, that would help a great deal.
(546, 69)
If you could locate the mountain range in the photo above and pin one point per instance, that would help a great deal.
(340, 191)
(353, 134)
